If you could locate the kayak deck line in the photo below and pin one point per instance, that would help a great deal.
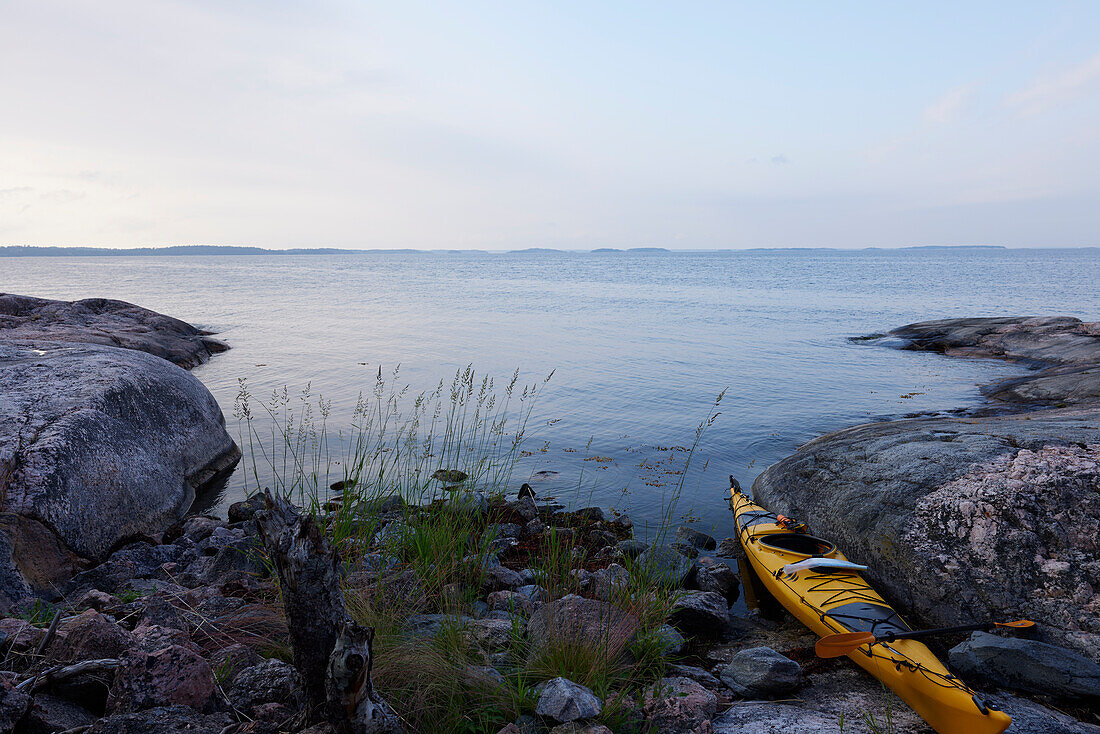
(834, 598)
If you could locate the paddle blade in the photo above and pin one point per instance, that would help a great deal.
(833, 646)
(1019, 624)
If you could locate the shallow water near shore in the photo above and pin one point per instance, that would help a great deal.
(641, 343)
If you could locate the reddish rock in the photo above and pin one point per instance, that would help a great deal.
(13, 704)
(91, 636)
(20, 634)
(174, 675)
(679, 706)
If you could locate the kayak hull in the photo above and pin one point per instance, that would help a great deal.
(835, 600)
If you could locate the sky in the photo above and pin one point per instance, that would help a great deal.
(514, 124)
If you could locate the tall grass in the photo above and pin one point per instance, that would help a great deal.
(428, 553)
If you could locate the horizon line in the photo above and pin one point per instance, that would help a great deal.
(210, 249)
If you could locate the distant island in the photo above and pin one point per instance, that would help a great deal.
(239, 250)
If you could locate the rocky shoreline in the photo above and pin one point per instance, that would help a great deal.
(162, 622)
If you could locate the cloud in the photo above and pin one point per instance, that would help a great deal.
(780, 159)
(1054, 89)
(950, 106)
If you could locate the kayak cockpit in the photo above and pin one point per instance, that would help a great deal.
(806, 545)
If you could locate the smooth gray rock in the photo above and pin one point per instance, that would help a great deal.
(101, 443)
(700, 614)
(696, 538)
(672, 640)
(761, 672)
(664, 565)
(1026, 665)
(563, 701)
(631, 548)
(105, 322)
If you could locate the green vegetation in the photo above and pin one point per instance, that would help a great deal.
(412, 497)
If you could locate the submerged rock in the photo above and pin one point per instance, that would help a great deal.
(695, 538)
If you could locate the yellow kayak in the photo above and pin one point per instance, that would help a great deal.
(827, 594)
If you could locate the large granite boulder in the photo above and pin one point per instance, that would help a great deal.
(98, 444)
(106, 322)
(102, 444)
(967, 518)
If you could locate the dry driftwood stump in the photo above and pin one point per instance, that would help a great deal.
(331, 652)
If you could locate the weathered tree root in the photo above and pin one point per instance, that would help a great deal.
(331, 652)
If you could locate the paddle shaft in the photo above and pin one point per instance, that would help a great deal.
(890, 637)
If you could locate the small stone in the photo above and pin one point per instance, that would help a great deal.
(580, 621)
(471, 504)
(500, 578)
(13, 704)
(97, 600)
(49, 713)
(761, 672)
(174, 719)
(246, 509)
(588, 515)
(573, 727)
(623, 522)
(563, 701)
(20, 634)
(450, 476)
(609, 583)
(699, 675)
(510, 601)
(150, 638)
(525, 491)
(491, 634)
(483, 676)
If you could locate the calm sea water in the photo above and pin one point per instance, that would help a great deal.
(641, 344)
